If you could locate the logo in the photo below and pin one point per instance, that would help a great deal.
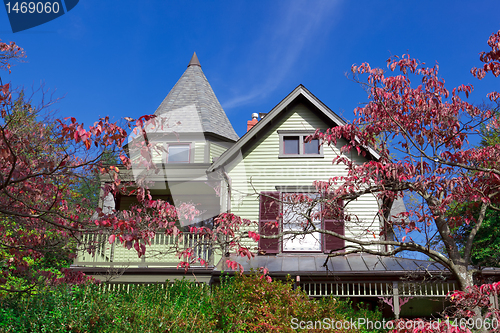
(28, 14)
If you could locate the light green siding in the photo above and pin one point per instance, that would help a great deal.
(156, 153)
(199, 152)
(260, 169)
(216, 150)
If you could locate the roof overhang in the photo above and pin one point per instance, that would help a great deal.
(352, 266)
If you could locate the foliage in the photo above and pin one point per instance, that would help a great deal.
(461, 316)
(490, 136)
(486, 246)
(487, 241)
(57, 250)
(240, 304)
(270, 306)
(465, 302)
(87, 189)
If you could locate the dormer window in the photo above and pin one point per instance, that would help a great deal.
(293, 144)
(178, 153)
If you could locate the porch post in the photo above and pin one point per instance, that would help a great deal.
(112, 256)
(395, 292)
(297, 282)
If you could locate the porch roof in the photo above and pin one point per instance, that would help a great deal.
(352, 264)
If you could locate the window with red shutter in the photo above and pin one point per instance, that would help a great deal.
(287, 215)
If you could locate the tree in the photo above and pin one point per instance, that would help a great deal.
(44, 164)
(57, 251)
(486, 244)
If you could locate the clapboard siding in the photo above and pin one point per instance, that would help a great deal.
(216, 150)
(262, 165)
(156, 153)
(199, 152)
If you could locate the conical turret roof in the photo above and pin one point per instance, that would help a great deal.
(193, 90)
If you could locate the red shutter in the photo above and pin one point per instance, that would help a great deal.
(269, 211)
(333, 220)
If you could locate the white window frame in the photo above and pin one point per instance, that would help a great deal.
(188, 144)
(302, 243)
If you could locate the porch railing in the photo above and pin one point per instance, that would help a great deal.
(97, 252)
(375, 289)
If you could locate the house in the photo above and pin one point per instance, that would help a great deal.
(205, 162)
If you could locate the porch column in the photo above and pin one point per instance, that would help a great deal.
(395, 293)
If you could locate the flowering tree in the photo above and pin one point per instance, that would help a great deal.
(429, 127)
(42, 165)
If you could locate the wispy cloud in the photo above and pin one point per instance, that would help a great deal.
(281, 45)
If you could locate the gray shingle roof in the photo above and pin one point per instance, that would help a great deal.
(193, 89)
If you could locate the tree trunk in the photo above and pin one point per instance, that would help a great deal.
(466, 279)
(464, 276)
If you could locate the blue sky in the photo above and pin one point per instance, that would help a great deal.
(121, 58)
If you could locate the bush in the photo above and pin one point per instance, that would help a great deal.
(239, 304)
(251, 304)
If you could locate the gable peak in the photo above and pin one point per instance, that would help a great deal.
(194, 61)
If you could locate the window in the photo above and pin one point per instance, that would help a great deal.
(285, 212)
(293, 144)
(178, 153)
(311, 147)
(294, 205)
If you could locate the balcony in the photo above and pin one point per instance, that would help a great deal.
(161, 253)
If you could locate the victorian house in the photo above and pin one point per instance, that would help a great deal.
(204, 161)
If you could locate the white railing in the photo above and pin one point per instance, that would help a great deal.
(376, 289)
(96, 251)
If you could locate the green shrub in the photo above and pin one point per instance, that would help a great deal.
(239, 304)
(251, 304)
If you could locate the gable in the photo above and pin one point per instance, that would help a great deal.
(259, 167)
(299, 95)
(264, 149)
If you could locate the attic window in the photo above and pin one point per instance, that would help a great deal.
(293, 144)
